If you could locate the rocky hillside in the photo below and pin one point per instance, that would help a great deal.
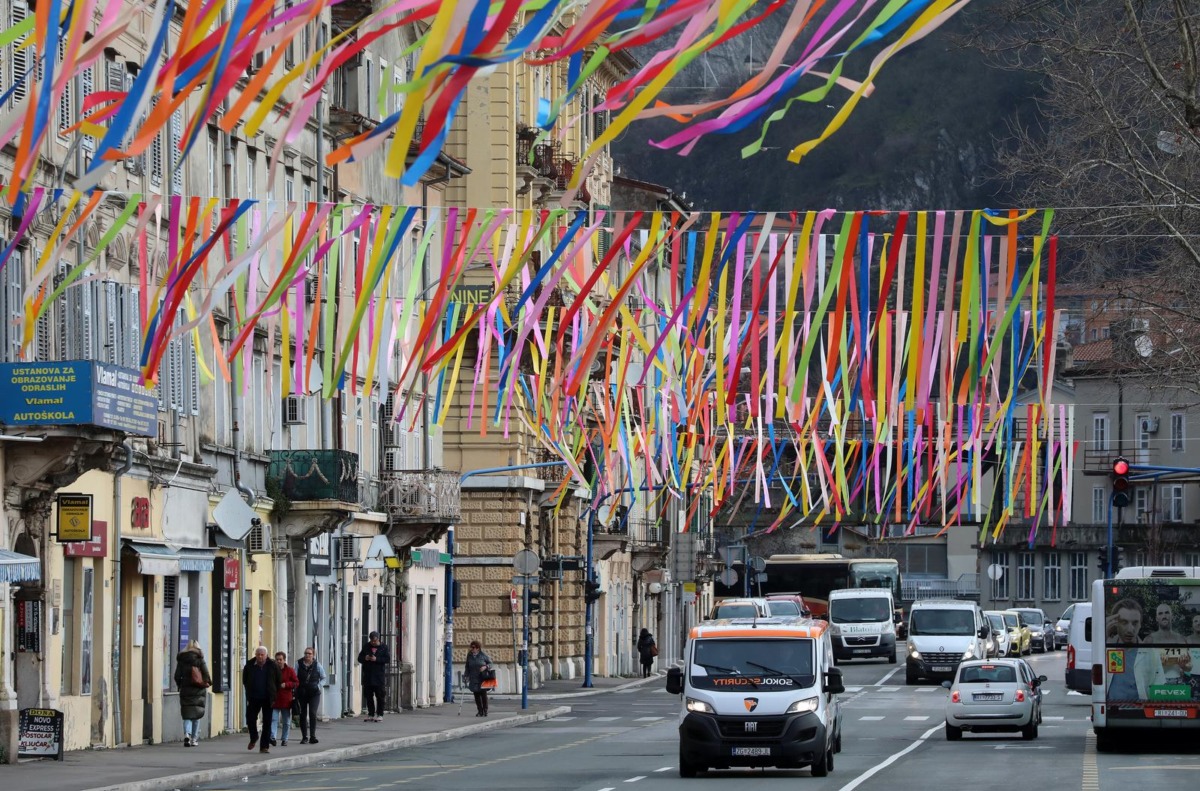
(926, 139)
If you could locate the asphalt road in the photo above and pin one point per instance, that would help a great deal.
(892, 738)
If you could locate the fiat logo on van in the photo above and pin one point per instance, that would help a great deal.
(751, 703)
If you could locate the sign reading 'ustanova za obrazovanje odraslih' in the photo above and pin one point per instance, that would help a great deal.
(76, 393)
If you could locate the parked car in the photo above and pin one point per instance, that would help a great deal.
(994, 696)
(740, 608)
(1062, 628)
(1000, 634)
(792, 597)
(1041, 631)
(1023, 637)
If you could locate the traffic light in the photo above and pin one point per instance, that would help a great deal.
(533, 600)
(1118, 559)
(591, 591)
(1102, 562)
(1121, 485)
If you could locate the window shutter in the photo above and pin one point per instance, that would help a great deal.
(64, 309)
(13, 313)
(133, 327)
(89, 297)
(176, 162)
(19, 59)
(178, 390)
(191, 376)
(66, 113)
(112, 318)
(156, 160)
(88, 80)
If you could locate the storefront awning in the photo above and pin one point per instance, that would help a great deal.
(154, 560)
(15, 567)
(193, 559)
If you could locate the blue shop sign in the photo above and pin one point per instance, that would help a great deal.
(77, 393)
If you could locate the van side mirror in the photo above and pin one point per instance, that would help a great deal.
(895, 617)
(1041, 679)
(947, 684)
(674, 681)
(1087, 628)
(833, 681)
(983, 632)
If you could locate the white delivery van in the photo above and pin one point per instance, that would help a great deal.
(1079, 648)
(942, 633)
(862, 623)
(758, 693)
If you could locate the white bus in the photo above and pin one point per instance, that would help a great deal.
(1145, 636)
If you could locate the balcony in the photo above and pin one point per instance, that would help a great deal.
(308, 475)
(564, 169)
(420, 504)
(348, 13)
(608, 540)
(649, 546)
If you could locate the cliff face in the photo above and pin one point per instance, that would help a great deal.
(926, 139)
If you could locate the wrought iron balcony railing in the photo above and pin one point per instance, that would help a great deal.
(421, 495)
(305, 475)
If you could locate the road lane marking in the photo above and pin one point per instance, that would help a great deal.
(562, 719)
(887, 689)
(871, 718)
(647, 719)
(883, 680)
(664, 769)
(605, 719)
(854, 689)
(916, 718)
(1053, 719)
(635, 779)
(1091, 772)
(891, 759)
(928, 689)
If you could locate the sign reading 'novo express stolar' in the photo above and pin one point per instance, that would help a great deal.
(77, 393)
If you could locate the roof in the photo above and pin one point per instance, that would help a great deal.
(759, 627)
(1093, 352)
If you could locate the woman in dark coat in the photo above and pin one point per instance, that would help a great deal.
(192, 697)
(645, 647)
(476, 662)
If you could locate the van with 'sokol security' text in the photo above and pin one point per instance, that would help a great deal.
(862, 623)
(758, 692)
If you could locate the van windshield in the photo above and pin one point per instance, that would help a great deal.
(735, 611)
(860, 610)
(765, 665)
(946, 622)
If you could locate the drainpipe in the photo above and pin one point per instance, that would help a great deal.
(425, 426)
(118, 730)
(448, 694)
(347, 671)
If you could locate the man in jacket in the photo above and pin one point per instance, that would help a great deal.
(374, 658)
(260, 679)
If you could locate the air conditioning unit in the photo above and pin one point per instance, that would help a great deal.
(1150, 425)
(258, 541)
(363, 575)
(310, 289)
(293, 410)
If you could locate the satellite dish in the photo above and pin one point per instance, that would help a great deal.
(995, 571)
(1143, 345)
(728, 577)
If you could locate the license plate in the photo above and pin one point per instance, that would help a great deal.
(989, 697)
(862, 650)
(941, 668)
(751, 751)
(1170, 713)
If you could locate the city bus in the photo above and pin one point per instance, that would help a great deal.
(1145, 636)
(814, 576)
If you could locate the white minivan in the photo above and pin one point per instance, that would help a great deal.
(1079, 648)
(862, 623)
(758, 692)
(941, 634)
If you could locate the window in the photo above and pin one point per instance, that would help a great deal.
(19, 60)
(175, 156)
(12, 288)
(1141, 502)
(1191, 559)
(1142, 421)
(1172, 495)
(1176, 431)
(1100, 430)
(1079, 576)
(69, 668)
(156, 160)
(1000, 583)
(1052, 581)
(1026, 575)
(251, 174)
(1099, 505)
(86, 594)
(214, 166)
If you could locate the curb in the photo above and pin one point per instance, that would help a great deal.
(583, 693)
(327, 756)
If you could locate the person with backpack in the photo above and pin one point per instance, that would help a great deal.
(311, 677)
(192, 680)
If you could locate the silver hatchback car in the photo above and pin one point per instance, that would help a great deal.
(994, 695)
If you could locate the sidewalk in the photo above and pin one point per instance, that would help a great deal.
(172, 766)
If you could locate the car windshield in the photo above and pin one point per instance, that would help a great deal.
(997, 622)
(1031, 618)
(860, 610)
(1066, 616)
(1010, 619)
(735, 611)
(947, 622)
(982, 674)
(728, 663)
(783, 608)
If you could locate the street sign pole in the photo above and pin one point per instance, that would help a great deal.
(525, 651)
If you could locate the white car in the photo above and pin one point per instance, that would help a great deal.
(993, 695)
(1000, 634)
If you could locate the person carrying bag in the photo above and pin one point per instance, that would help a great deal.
(193, 681)
(311, 677)
(478, 664)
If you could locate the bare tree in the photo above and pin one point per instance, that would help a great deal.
(1117, 149)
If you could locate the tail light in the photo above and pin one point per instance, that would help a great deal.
(954, 698)
(1020, 696)
(1070, 657)
(1097, 676)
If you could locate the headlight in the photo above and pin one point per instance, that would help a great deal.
(802, 706)
(1036, 633)
(913, 652)
(835, 630)
(1060, 630)
(699, 706)
(969, 653)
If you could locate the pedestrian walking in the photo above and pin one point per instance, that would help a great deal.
(477, 663)
(288, 682)
(647, 650)
(260, 679)
(310, 677)
(192, 680)
(374, 658)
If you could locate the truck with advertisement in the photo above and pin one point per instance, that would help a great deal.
(758, 692)
(1145, 636)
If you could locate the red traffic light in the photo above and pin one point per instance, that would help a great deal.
(1120, 466)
